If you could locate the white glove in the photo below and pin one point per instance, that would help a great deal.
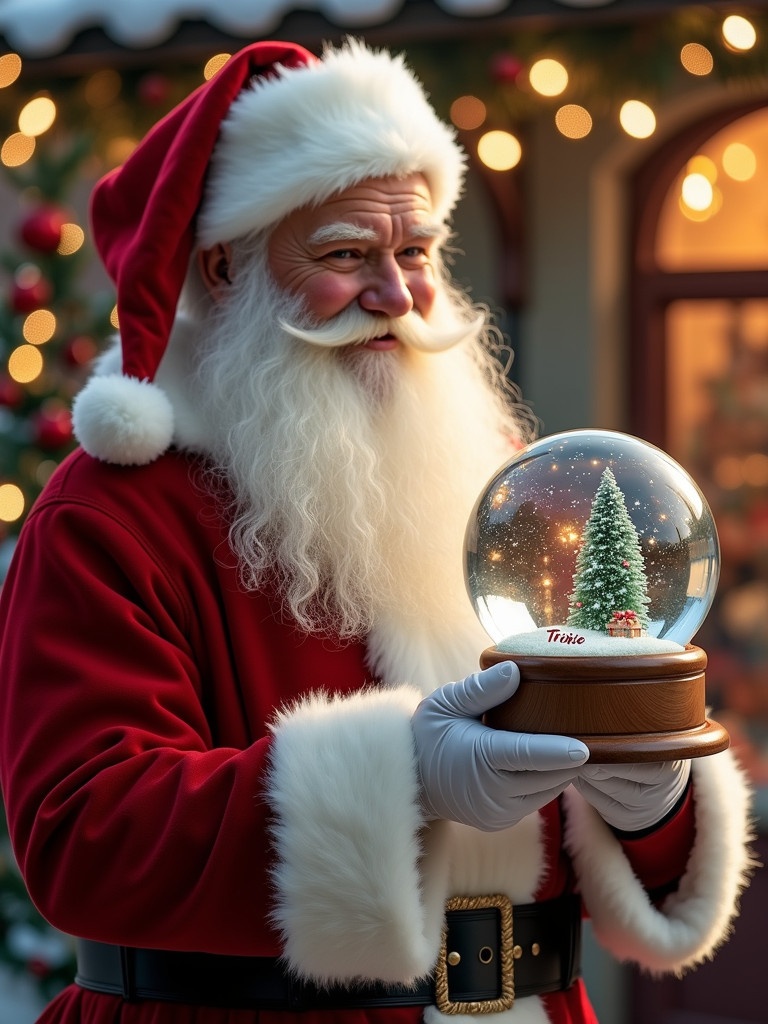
(632, 797)
(484, 777)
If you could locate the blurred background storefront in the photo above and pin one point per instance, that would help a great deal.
(615, 221)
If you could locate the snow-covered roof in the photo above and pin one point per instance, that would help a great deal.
(41, 28)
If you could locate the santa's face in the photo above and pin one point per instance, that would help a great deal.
(371, 246)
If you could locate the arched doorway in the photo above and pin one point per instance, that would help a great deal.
(698, 371)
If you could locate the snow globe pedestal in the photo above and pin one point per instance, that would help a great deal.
(592, 559)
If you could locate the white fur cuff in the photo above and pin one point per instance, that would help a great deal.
(697, 918)
(344, 789)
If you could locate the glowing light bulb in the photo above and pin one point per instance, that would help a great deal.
(739, 161)
(11, 503)
(548, 77)
(25, 364)
(215, 64)
(37, 116)
(637, 119)
(500, 151)
(738, 32)
(697, 191)
(573, 121)
(696, 59)
(17, 149)
(468, 112)
(10, 69)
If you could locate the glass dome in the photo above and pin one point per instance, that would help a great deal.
(591, 519)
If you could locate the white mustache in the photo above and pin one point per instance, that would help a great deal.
(355, 327)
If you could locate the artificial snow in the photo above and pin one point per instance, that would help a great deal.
(568, 642)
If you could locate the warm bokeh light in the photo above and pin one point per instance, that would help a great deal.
(72, 239)
(756, 469)
(102, 88)
(37, 116)
(739, 161)
(697, 191)
(637, 119)
(739, 33)
(500, 151)
(11, 503)
(215, 64)
(44, 471)
(701, 213)
(39, 327)
(17, 149)
(696, 59)
(548, 77)
(10, 69)
(573, 121)
(119, 149)
(468, 112)
(25, 364)
(703, 165)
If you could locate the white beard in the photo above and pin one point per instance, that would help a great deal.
(354, 473)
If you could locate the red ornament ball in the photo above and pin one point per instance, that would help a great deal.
(80, 350)
(41, 229)
(625, 564)
(153, 89)
(52, 425)
(11, 393)
(30, 290)
(505, 68)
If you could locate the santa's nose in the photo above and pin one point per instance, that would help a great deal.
(387, 292)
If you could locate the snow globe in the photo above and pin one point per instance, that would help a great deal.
(592, 559)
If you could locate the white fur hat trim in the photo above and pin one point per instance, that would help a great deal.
(299, 136)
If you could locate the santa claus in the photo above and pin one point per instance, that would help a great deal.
(242, 744)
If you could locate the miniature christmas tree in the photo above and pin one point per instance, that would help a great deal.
(610, 574)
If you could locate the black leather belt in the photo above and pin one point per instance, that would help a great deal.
(491, 953)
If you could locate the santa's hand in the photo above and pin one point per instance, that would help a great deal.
(631, 797)
(485, 777)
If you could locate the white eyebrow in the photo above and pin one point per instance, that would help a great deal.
(342, 231)
(345, 231)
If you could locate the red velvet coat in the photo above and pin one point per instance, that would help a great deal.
(138, 681)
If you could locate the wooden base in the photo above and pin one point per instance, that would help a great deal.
(645, 707)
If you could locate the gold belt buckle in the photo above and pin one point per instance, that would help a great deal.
(506, 952)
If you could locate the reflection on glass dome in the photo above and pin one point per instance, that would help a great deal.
(588, 525)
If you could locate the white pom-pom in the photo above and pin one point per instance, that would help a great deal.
(123, 420)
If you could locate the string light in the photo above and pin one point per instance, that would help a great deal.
(548, 77)
(11, 503)
(25, 364)
(703, 165)
(37, 116)
(573, 121)
(696, 59)
(739, 161)
(215, 64)
(17, 149)
(468, 112)
(697, 192)
(39, 327)
(72, 239)
(637, 119)
(499, 150)
(10, 69)
(739, 33)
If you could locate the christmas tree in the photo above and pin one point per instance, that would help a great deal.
(610, 573)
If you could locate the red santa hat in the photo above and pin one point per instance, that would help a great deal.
(275, 129)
